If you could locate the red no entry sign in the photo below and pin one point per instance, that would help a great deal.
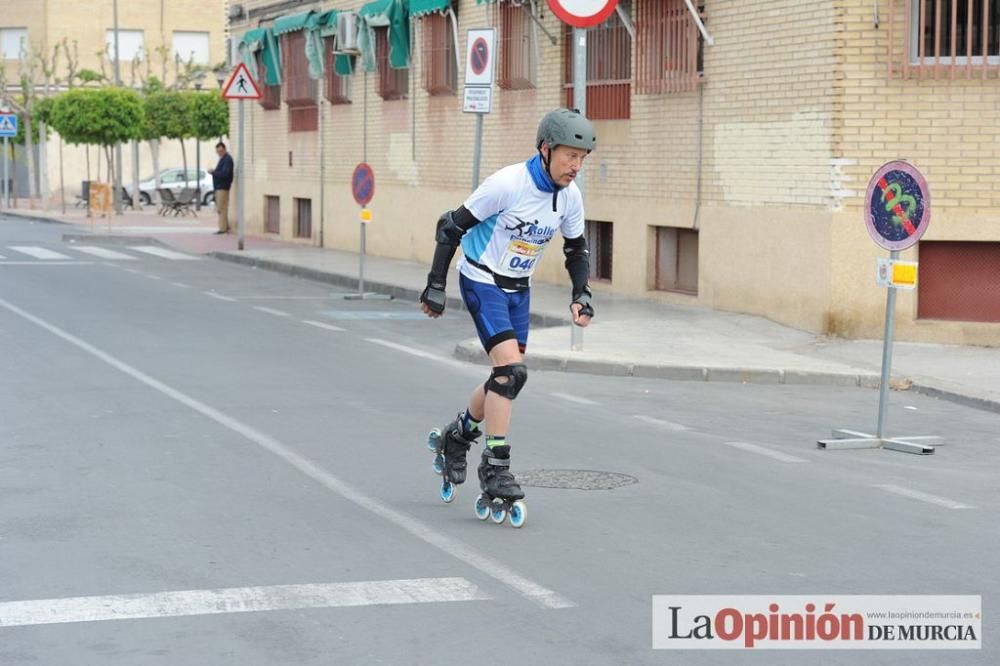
(582, 13)
(363, 184)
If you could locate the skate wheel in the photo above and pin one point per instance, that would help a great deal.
(482, 508)
(498, 512)
(447, 492)
(438, 464)
(432, 439)
(518, 513)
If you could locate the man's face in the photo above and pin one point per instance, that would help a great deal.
(220, 151)
(565, 163)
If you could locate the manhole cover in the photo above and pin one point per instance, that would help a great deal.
(573, 479)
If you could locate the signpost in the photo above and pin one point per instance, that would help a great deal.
(8, 130)
(897, 213)
(479, 75)
(240, 86)
(363, 190)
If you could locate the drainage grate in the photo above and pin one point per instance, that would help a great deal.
(573, 479)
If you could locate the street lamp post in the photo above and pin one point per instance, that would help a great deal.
(198, 80)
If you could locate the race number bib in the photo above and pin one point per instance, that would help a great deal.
(521, 256)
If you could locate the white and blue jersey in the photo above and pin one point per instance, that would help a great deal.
(521, 210)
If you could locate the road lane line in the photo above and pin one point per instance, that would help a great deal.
(663, 423)
(212, 294)
(163, 253)
(37, 252)
(923, 497)
(493, 568)
(181, 285)
(573, 398)
(766, 452)
(319, 324)
(237, 600)
(270, 311)
(103, 253)
(412, 351)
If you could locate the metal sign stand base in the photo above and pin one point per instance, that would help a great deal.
(853, 439)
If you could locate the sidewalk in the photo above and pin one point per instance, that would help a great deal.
(629, 337)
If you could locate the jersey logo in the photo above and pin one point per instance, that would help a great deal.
(526, 229)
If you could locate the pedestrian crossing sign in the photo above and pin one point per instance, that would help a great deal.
(241, 85)
(8, 124)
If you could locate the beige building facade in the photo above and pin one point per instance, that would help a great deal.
(730, 175)
(152, 36)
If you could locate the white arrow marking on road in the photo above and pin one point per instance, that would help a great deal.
(766, 452)
(923, 497)
(103, 253)
(37, 252)
(490, 566)
(237, 600)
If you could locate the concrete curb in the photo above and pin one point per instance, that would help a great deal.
(111, 239)
(33, 218)
(472, 352)
(984, 404)
(351, 282)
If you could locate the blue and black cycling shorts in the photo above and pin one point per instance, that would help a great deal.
(499, 315)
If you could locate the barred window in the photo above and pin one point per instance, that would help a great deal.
(517, 46)
(609, 70)
(270, 95)
(440, 68)
(338, 87)
(300, 88)
(931, 37)
(392, 83)
(669, 47)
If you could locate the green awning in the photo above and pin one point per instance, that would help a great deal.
(419, 8)
(327, 23)
(263, 40)
(293, 22)
(391, 14)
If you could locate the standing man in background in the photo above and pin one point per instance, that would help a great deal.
(222, 181)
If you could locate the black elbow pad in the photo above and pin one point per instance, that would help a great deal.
(575, 247)
(449, 233)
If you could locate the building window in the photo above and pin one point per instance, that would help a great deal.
(272, 214)
(517, 46)
(192, 47)
(677, 259)
(440, 68)
(270, 95)
(600, 239)
(944, 34)
(131, 45)
(299, 88)
(959, 280)
(11, 40)
(338, 86)
(609, 70)
(392, 83)
(669, 47)
(303, 218)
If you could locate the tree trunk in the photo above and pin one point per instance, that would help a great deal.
(154, 149)
(184, 157)
(43, 162)
(30, 158)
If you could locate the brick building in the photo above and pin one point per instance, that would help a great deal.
(729, 175)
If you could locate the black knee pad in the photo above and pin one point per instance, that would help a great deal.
(517, 377)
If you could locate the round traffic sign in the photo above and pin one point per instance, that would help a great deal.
(479, 56)
(897, 206)
(582, 13)
(363, 184)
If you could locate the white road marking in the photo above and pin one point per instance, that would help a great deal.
(270, 311)
(663, 423)
(2, 257)
(46, 263)
(421, 354)
(163, 253)
(319, 324)
(103, 253)
(490, 566)
(37, 252)
(237, 600)
(218, 296)
(152, 277)
(766, 452)
(181, 285)
(573, 398)
(923, 497)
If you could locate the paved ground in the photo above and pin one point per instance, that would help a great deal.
(174, 424)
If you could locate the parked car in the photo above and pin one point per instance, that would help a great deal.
(173, 179)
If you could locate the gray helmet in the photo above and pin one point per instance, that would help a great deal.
(566, 127)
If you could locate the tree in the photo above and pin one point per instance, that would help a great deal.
(210, 116)
(102, 117)
(169, 115)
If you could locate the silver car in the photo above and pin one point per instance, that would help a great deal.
(174, 180)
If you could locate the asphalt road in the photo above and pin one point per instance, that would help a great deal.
(209, 464)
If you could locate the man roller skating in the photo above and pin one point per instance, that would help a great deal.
(504, 228)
